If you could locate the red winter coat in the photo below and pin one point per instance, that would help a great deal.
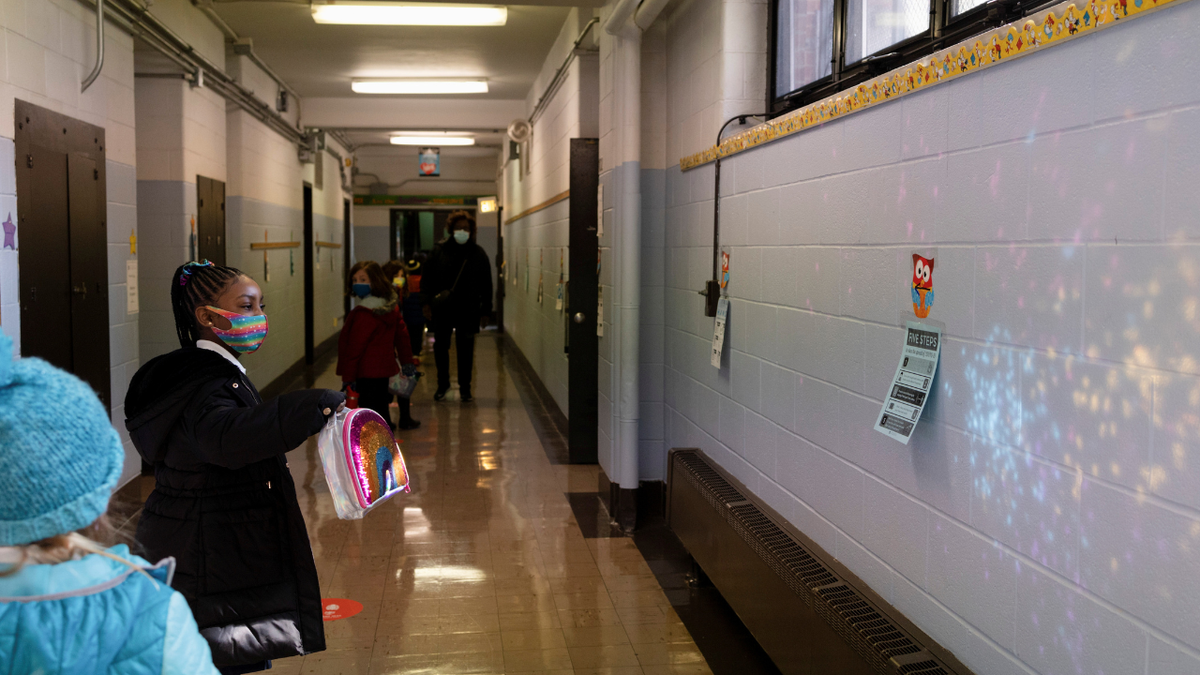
(373, 337)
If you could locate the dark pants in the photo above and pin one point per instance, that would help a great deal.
(373, 393)
(465, 335)
(405, 409)
(416, 336)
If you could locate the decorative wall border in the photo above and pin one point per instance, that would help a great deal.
(1058, 24)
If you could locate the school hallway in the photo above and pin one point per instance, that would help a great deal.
(484, 568)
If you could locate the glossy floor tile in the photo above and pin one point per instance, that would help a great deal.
(483, 568)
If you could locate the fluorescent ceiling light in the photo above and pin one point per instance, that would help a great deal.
(433, 140)
(420, 86)
(409, 14)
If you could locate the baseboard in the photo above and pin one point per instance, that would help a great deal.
(548, 419)
(288, 379)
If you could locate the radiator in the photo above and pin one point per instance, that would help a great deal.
(809, 613)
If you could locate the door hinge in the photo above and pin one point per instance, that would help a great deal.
(29, 161)
(95, 174)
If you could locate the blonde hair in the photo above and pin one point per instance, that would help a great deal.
(72, 546)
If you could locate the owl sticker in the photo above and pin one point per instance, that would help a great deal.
(922, 286)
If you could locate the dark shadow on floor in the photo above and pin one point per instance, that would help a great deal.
(724, 640)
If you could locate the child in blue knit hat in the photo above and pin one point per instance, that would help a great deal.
(67, 603)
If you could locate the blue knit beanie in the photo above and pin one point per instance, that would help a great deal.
(60, 457)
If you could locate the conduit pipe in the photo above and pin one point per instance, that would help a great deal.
(626, 24)
(99, 47)
(139, 22)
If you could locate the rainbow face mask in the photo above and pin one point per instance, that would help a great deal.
(247, 333)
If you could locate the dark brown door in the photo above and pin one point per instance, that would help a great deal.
(210, 220)
(309, 347)
(63, 244)
(583, 357)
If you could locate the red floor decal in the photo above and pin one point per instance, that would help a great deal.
(340, 608)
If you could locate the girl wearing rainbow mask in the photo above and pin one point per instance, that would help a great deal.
(224, 504)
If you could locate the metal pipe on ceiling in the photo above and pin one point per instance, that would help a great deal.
(99, 47)
(140, 23)
(555, 81)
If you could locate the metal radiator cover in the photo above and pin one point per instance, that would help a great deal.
(807, 614)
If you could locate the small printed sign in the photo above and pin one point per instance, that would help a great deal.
(600, 211)
(428, 162)
(600, 314)
(339, 608)
(912, 383)
(131, 286)
(718, 343)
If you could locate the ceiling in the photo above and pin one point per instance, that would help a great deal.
(319, 60)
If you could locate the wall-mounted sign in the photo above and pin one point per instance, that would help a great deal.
(718, 343)
(487, 205)
(912, 383)
(428, 163)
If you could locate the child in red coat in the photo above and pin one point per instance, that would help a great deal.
(374, 344)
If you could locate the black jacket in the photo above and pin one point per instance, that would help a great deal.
(224, 504)
(471, 297)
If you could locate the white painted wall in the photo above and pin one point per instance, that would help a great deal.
(1044, 519)
(48, 48)
(534, 244)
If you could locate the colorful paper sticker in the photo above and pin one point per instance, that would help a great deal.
(912, 383)
(10, 233)
(724, 269)
(922, 285)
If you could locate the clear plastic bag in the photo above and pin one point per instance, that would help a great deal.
(362, 460)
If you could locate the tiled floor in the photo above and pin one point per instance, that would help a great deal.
(483, 568)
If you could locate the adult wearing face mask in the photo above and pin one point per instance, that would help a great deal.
(457, 290)
(374, 343)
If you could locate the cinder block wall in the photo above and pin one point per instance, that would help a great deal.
(1046, 516)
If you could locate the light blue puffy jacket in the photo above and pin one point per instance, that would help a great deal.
(97, 615)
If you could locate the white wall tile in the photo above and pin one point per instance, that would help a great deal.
(1141, 557)
(1029, 296)
(974, 577)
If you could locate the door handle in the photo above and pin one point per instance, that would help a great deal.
(579, 317)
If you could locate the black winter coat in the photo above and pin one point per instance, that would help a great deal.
(471, 297)
(224, 504)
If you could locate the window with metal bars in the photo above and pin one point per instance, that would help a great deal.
(821, 47)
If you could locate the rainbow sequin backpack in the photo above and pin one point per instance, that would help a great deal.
(362, 461)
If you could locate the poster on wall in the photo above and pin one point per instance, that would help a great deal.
(718, 343)
(131, 286)
(428, 162)
(912, 383)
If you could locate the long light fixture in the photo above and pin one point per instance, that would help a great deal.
(420, 86)
(432, 140)
(409, 14)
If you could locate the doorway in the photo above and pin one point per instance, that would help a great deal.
(309, 347)
(582, 296)
(416, 231)
(210, 220)
(347, 252)
(63, 245)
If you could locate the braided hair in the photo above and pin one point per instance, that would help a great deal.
(196, 284)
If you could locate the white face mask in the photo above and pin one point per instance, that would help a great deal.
(461, 236)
